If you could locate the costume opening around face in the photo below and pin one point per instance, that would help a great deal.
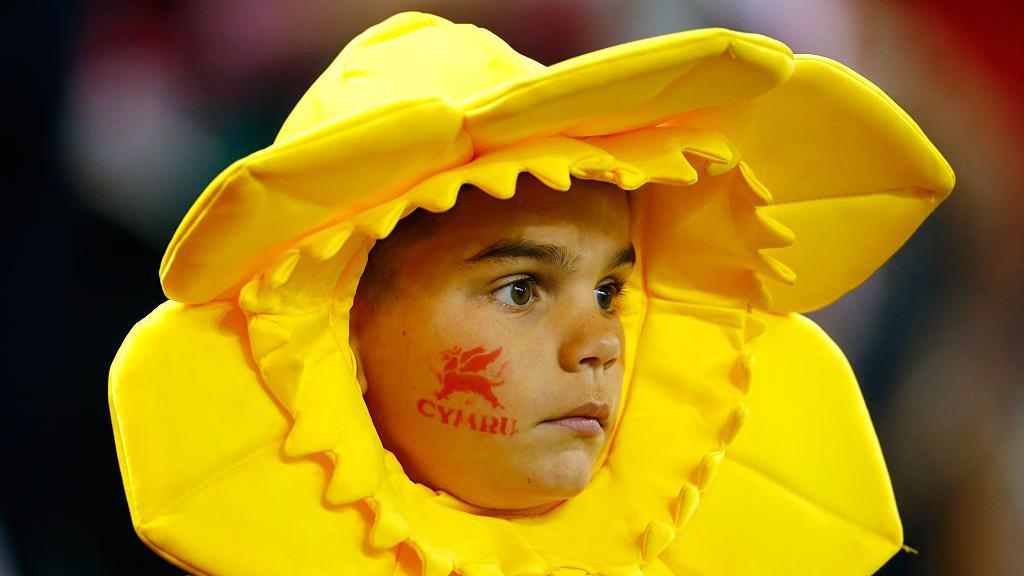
(764, 184)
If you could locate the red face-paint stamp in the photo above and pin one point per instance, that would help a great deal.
(462, 371)
(466, 372)
(457, 417)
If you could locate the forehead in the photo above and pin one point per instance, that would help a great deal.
(590, 223)
(587, 209)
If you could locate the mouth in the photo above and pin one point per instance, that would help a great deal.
(589, 419)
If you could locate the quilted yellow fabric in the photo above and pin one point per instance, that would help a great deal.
(762, 184)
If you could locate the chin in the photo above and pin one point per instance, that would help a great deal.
(546, 481)
(565, 476)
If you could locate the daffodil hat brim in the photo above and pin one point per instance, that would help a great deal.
(762, 184)
(417, 95)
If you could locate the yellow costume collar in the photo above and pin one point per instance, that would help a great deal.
(771, 184)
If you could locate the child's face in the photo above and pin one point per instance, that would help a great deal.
(495, 372)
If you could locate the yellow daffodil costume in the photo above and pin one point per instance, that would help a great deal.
(763, 184)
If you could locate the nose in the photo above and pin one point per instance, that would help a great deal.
(592, 342)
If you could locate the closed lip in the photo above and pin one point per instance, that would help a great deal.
(593, 409)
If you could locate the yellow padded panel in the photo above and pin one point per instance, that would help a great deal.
(803, 489)
(179, 371)
(860, 233)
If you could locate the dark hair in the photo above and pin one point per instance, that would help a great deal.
(378, 285)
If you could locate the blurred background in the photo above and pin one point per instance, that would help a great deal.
(117, 114)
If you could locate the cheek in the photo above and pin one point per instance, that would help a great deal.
(395, 356)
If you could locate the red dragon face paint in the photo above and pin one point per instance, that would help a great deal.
(462, 372)
(465, 373)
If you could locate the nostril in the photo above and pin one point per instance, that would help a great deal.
(594, 362)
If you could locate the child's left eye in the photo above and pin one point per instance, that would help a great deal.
(606, 294)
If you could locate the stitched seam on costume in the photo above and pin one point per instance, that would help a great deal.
(895, 191)
(130, 484)
(737, 309)
(120, 438)
(213, 477)
(546, 79)
(163, 553)
(806, 498)
(866, 84)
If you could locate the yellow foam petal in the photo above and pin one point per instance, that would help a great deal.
(272, 197)
(824, 138)
(628, 86)
(803, 489)
(840, 242)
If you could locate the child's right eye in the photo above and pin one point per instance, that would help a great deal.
(517, 294)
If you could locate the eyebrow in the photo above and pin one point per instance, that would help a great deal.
(551, 254)
(625, 256)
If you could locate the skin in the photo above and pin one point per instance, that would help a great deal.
(559, 350)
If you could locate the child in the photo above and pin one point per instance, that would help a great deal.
(475, 393)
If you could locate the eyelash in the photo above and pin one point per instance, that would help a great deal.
(617, 287)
